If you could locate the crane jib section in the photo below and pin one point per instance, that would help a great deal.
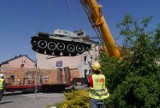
(98, 22)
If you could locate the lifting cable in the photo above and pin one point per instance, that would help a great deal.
(44, 15)
(74, 20)
(71, 13)
(98, 33)
(89, 14)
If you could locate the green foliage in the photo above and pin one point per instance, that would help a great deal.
(135, 81)
(138, 92)
(76, 99)
(108, 65)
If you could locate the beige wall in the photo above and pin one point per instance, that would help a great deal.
(74, 62)
(49, 62)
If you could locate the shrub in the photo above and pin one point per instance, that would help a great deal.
(75, 99)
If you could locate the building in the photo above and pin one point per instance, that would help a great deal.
(48, 69)
(21, 61)
(23, 68)
(80, 63)
(15, 68)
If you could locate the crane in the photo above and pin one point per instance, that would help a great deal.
(67, 43)
(98, 22)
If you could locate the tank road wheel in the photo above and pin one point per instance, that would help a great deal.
(60, 46)
(80, 48)
(87, 47)
(51, 46)
(42, 44)
(34, 44)
(70, 48)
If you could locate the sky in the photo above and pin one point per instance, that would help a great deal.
(22, 19)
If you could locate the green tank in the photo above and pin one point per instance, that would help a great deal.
(61, 43)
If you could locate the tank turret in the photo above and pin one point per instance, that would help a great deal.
(61, 43)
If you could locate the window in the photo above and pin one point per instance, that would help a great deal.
(12, 77)
(22, 65)
(85, 58)
(23, 61)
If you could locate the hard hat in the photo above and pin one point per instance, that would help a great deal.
(2, 75)
(96, 66)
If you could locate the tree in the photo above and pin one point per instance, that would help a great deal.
(135, 81)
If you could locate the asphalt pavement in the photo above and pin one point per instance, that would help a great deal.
(30, 100)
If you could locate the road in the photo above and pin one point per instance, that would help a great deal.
(32, 100)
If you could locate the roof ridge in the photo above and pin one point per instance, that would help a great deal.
(20, 55)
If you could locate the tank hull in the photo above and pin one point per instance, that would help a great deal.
(44, 44)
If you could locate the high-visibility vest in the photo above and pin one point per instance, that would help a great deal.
(98, 91)
(1, 84)
(19, 80)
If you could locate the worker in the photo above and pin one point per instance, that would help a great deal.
(97, 89)
(2, 85)
(19, 81)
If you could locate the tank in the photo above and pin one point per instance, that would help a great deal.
(61, 43)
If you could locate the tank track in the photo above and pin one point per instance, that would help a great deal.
(45, 45)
